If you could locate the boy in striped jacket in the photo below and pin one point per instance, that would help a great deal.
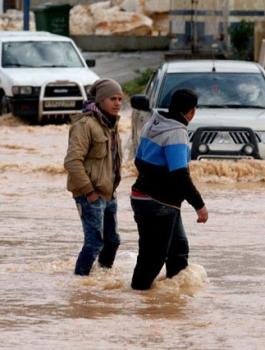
(163, 183)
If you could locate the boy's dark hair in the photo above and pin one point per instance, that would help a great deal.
(182, 101)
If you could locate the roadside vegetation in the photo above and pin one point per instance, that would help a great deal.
(242, 37)
(137, 85)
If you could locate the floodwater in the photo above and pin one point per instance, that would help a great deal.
(217, 303)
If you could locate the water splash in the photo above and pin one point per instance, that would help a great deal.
(225, 171)
(50, 169)
(187, 282)
(104, 279)
(10, 120)
(17, 147)
(218, 171)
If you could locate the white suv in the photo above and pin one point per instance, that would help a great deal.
(42, 75)
(230, 119)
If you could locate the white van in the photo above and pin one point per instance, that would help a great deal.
(42, 75)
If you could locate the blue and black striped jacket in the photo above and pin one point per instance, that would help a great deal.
(162, 162)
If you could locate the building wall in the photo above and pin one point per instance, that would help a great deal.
(200, 22)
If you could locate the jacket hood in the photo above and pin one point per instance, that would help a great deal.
(159, 124)
(75, 117)
(91, 109)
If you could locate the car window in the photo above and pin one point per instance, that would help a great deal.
(217, 89)
(40, 54)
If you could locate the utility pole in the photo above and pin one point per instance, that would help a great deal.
(26, 8)
(226, 13)
(193, 26)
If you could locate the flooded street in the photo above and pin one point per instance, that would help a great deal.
(217, 303)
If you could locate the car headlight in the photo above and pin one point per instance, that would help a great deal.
(261, 135)
(248, 149)
(22, 90)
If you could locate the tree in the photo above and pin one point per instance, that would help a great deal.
(241, 36)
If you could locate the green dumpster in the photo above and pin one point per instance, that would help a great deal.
(53, 18)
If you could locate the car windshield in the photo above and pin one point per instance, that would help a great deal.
(217, 90)
(36, 54)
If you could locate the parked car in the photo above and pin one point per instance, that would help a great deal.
(230, 119)
(42, 75)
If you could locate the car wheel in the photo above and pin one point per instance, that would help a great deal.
(4, 109)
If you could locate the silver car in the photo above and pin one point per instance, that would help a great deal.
(230, 119)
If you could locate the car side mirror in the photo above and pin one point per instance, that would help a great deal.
(140, 102)
(91, 63)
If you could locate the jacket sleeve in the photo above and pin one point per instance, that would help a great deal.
(177, 156)
(187, 188)
(78, 146)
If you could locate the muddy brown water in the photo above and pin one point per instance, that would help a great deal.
(217, 303)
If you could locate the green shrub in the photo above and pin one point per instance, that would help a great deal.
(241, 36)
(137, 85)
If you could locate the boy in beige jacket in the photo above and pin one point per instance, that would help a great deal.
(93, 164)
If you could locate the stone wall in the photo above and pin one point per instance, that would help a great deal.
(121, 43)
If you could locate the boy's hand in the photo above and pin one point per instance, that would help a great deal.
(202, 214)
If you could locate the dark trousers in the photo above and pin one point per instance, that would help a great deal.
(162, 240)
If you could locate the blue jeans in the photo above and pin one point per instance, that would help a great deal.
(162, 240)
(99, 221)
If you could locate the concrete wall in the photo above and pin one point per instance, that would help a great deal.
(121, 43)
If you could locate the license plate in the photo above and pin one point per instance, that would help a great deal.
(58, 104)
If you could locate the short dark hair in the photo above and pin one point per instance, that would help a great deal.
(182, 101)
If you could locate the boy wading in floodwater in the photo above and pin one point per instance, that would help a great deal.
(163, 183)
(93, 164)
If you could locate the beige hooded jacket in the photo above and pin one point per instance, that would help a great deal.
(88, 161)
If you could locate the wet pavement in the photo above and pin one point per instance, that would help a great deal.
(124, 66)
